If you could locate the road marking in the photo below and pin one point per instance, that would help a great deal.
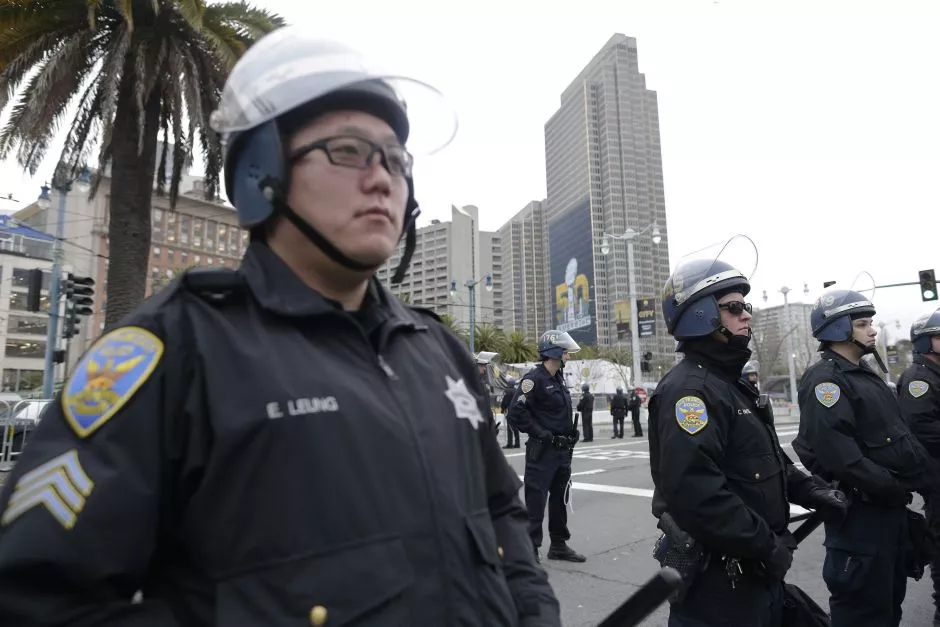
(591, 448)
(642, 492)
(589, 472)
(612, 455)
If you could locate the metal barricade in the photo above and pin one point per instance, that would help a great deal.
(17, 420)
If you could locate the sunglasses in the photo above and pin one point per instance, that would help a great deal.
(736, 307)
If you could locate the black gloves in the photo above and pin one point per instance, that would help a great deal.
(832, 504)
(782, 556)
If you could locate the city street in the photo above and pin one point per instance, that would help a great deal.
(612, 526)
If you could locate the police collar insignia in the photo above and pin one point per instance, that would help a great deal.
(107, 377)
(691, 414)
(828, 393)
(917, 388)
(527, 385)
(465, 405)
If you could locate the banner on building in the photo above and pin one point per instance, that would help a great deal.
(646, 316)
(570, 245)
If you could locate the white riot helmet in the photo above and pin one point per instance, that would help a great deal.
(286, 79)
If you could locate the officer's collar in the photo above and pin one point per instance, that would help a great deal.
(927, 363)
(844, 363)
(278, 289)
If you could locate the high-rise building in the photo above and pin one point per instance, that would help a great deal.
(604, 174)
(451, 254)
(526, 306)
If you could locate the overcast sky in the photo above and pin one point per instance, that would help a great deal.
(811, 126)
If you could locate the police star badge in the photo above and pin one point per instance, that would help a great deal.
(108, 376)
(918, 388)
(828, 393)
(465, 405)
(691, 414)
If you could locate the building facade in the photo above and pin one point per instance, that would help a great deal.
(196, 232)
(604, 174)
(451, 254)
(523, 249)
(772, 328)
(23, 248)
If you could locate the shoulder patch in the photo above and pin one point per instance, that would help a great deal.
(527, 385)
(691, 414)
(828, 394)
(107, 377)
(918, 388)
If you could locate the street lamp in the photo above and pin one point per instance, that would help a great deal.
(81, 183)
(471, 285)
(629, 235)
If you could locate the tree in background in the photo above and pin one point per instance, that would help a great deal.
(137, 72)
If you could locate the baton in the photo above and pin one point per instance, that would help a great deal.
(644, 601)
(811, 522)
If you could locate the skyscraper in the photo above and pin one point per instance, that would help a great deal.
(604, 174)
(525, 272)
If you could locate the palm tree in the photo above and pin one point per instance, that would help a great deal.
(136, 71)
(518, 349)
(487, 337)
(454, 326)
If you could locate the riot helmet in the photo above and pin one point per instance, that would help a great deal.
(282, 82)
(554, 344)
(585, 387)
(923, 330)
(690, 298)
(833, 313)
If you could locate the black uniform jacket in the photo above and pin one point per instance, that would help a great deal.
(248, 454)
(851, 430)
(919, 396)
(619, 405)
(586, 403)
(541, 407)
(716, 462)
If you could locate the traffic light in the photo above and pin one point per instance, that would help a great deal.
(78, 302)
(34, 295)
(928, 285)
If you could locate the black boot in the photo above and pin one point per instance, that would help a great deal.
(561, 551)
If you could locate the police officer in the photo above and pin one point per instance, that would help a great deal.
(720, 475)
(919, 396)
(512, 434)
(586, 409)
(542, 410)
(851, 431)
(751, 373)
(618, 411)
(634, 402)
(285, 443)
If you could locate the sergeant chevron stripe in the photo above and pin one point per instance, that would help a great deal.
(60, 485)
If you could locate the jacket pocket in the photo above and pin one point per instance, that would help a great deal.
(848, 563)
(759, 484)
(362, 584)
(494, 598)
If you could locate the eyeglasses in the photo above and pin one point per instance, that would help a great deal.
(736, 307)
(349, 151)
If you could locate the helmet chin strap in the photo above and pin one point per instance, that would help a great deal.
(270, 189)
(873, 350)
(735, 341)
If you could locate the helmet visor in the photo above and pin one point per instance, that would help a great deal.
(293, 68)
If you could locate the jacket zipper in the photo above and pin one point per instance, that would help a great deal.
(385, 333)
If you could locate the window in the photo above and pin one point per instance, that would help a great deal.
(27, 325)
(26, 348)
(21, 380)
